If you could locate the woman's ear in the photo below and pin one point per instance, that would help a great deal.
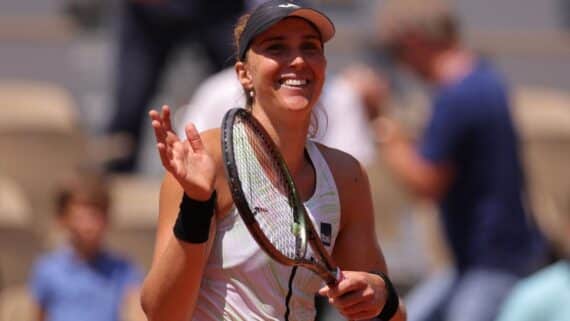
(243, 75)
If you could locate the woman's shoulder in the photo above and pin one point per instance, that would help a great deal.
(351, 181)
(344, 167)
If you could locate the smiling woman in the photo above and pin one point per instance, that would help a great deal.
(290, 55)
(284, 69)
(206, 264)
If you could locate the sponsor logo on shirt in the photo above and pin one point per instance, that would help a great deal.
(326, 233)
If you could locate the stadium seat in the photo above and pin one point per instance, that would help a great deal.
(543, 117)
(39, 139)
(14, 206)
(135, 212)
(16, 304)
(542, 113)
(18, 243)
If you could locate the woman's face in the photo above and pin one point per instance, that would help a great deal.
(286, 66)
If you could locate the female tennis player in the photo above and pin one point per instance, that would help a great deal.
(206, 265)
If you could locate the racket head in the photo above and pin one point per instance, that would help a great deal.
(262, 188)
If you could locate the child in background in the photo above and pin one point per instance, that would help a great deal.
(82, 280)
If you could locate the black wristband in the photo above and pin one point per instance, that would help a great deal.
(392, 301)
(193, 222)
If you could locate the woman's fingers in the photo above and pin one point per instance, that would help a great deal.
(156, 123)
(159, 134)
(194, 138)
(163, 126)
(346, 285)
(160, 143)
(163, 153)
(178, 156)
(354, 296)
(164, 139)
(171, 138)
(349, 299)
(166, 118)
(355, 306)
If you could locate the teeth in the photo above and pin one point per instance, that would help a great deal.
(295, 82)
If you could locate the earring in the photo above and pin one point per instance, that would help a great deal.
(251, 93)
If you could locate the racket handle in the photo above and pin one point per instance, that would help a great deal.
(339, 275)
(333, 277)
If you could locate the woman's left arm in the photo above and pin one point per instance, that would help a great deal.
(361, 294)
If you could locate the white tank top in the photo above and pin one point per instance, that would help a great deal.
(241, 282)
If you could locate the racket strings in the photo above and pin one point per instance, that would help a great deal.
(266, 190)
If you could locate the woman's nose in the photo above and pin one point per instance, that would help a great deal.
(297, 59)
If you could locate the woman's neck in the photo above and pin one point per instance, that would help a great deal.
(289, 132)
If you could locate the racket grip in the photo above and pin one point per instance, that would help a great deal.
(339, 275)
(331, 277)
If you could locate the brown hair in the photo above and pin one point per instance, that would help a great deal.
(238, 31)
(88, 187)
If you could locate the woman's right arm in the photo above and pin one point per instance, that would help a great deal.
(171, 287)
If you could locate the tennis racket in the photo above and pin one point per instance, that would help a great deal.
(266, 197)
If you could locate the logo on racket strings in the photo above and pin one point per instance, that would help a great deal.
(259, 209)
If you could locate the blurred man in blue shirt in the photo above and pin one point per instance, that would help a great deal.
(467, 160)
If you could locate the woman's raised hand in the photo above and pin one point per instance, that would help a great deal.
(186, 159)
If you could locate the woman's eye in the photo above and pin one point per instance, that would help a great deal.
(275, 48)
(311, 47)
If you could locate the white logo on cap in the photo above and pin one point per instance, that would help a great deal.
(288, 5)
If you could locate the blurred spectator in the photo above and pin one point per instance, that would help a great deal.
(82, 280)
(544, 296)
(150, 31)
(86, 14)
(565, 12)
(208, 104)
(467, 160)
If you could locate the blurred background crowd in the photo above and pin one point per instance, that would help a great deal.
(79, 171)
